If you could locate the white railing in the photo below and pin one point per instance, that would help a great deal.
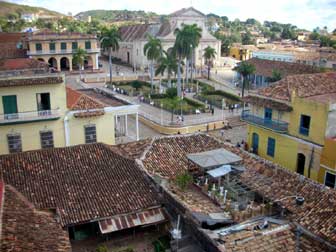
(68, 51)
(29, 116)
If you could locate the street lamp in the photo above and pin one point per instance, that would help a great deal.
(161, 105)
(223, 105)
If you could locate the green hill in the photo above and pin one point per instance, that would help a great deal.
(15, 10)
(118, 15)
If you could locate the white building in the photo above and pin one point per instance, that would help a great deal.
(29, 17)
(135, 37)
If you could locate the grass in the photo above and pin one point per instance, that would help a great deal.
(188, 107)
(127, 86)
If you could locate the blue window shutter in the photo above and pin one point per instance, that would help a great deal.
(271, 147)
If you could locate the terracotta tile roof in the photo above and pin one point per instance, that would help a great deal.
(262, 102)
(78, 101)
(25, 229)
(132, 150)
(279, 239)
(84, 182)
(107, 100)
(266, 67)
(22, 63)
(167, 157)
(307, 85)
(31, 80)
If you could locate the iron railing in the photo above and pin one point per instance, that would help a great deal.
(62, 51)
(30, 116)
(275, 125)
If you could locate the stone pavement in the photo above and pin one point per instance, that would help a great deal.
(163, 117)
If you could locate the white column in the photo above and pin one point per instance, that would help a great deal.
(67, 131)
(137, 126)
(126, 128)
(97, 66)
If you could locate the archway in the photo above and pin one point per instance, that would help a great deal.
(300, 166)
(128, 57)
(88, 63)
(40, 59)
(65, 64)
(52, 62)
(255, 143)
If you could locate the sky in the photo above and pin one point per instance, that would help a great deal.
(306, 14)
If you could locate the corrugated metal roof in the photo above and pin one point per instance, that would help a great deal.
(214, 158)
(220, 172)
(146, 217)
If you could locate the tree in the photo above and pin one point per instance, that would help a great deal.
(168, 63)
(334, 32)
(183, 180)
(153, 51)
(195, 34)
(182, 49)
(276, 76)
(110, 38)
(314, 35)
(247, 38)
(136, 84)
(79, 58)
(245, 69)
(209, 54)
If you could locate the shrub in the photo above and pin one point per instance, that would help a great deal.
(224, 94)
(136, 84)
(171, 92)
(183, 180)
(101, 248)
(193, 103)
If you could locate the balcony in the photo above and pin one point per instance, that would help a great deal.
(66, 51)
(278, 126)
(31, 116)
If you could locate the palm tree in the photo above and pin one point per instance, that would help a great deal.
(182, 48)
(168, 63)
(195, 37)
(79, 58)
(209, 54)
(110, 40)
(153, 51)
(245, 69)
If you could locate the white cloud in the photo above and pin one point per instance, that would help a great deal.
(302, 13)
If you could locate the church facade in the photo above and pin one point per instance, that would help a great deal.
(134, 38)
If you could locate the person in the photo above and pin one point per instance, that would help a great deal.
(212, 110)
(222, 132)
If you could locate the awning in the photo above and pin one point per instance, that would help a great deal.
(220, 172)
(214, 158)
(146, 217)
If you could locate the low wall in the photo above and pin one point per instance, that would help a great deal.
(173, 130)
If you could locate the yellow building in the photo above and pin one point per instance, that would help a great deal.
(289, 121)
(242, 52)
(57, 49)
(37, 112)
(327, 174)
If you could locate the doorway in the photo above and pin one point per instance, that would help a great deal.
(301, 160)
(255, 143)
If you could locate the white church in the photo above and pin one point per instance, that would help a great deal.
(134, 38)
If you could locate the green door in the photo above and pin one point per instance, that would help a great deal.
(9, 106)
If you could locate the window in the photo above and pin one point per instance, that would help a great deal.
(63, 46)
(87, 45)
(90, 134)
(271, 147)
(52, 47)
(10, 107)
(38, 47)
(14, 143)
(268, 114)
(334, 66)
(74, 45)
(330, 180)
(43, 103)
(47, 139)
(304, 125)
